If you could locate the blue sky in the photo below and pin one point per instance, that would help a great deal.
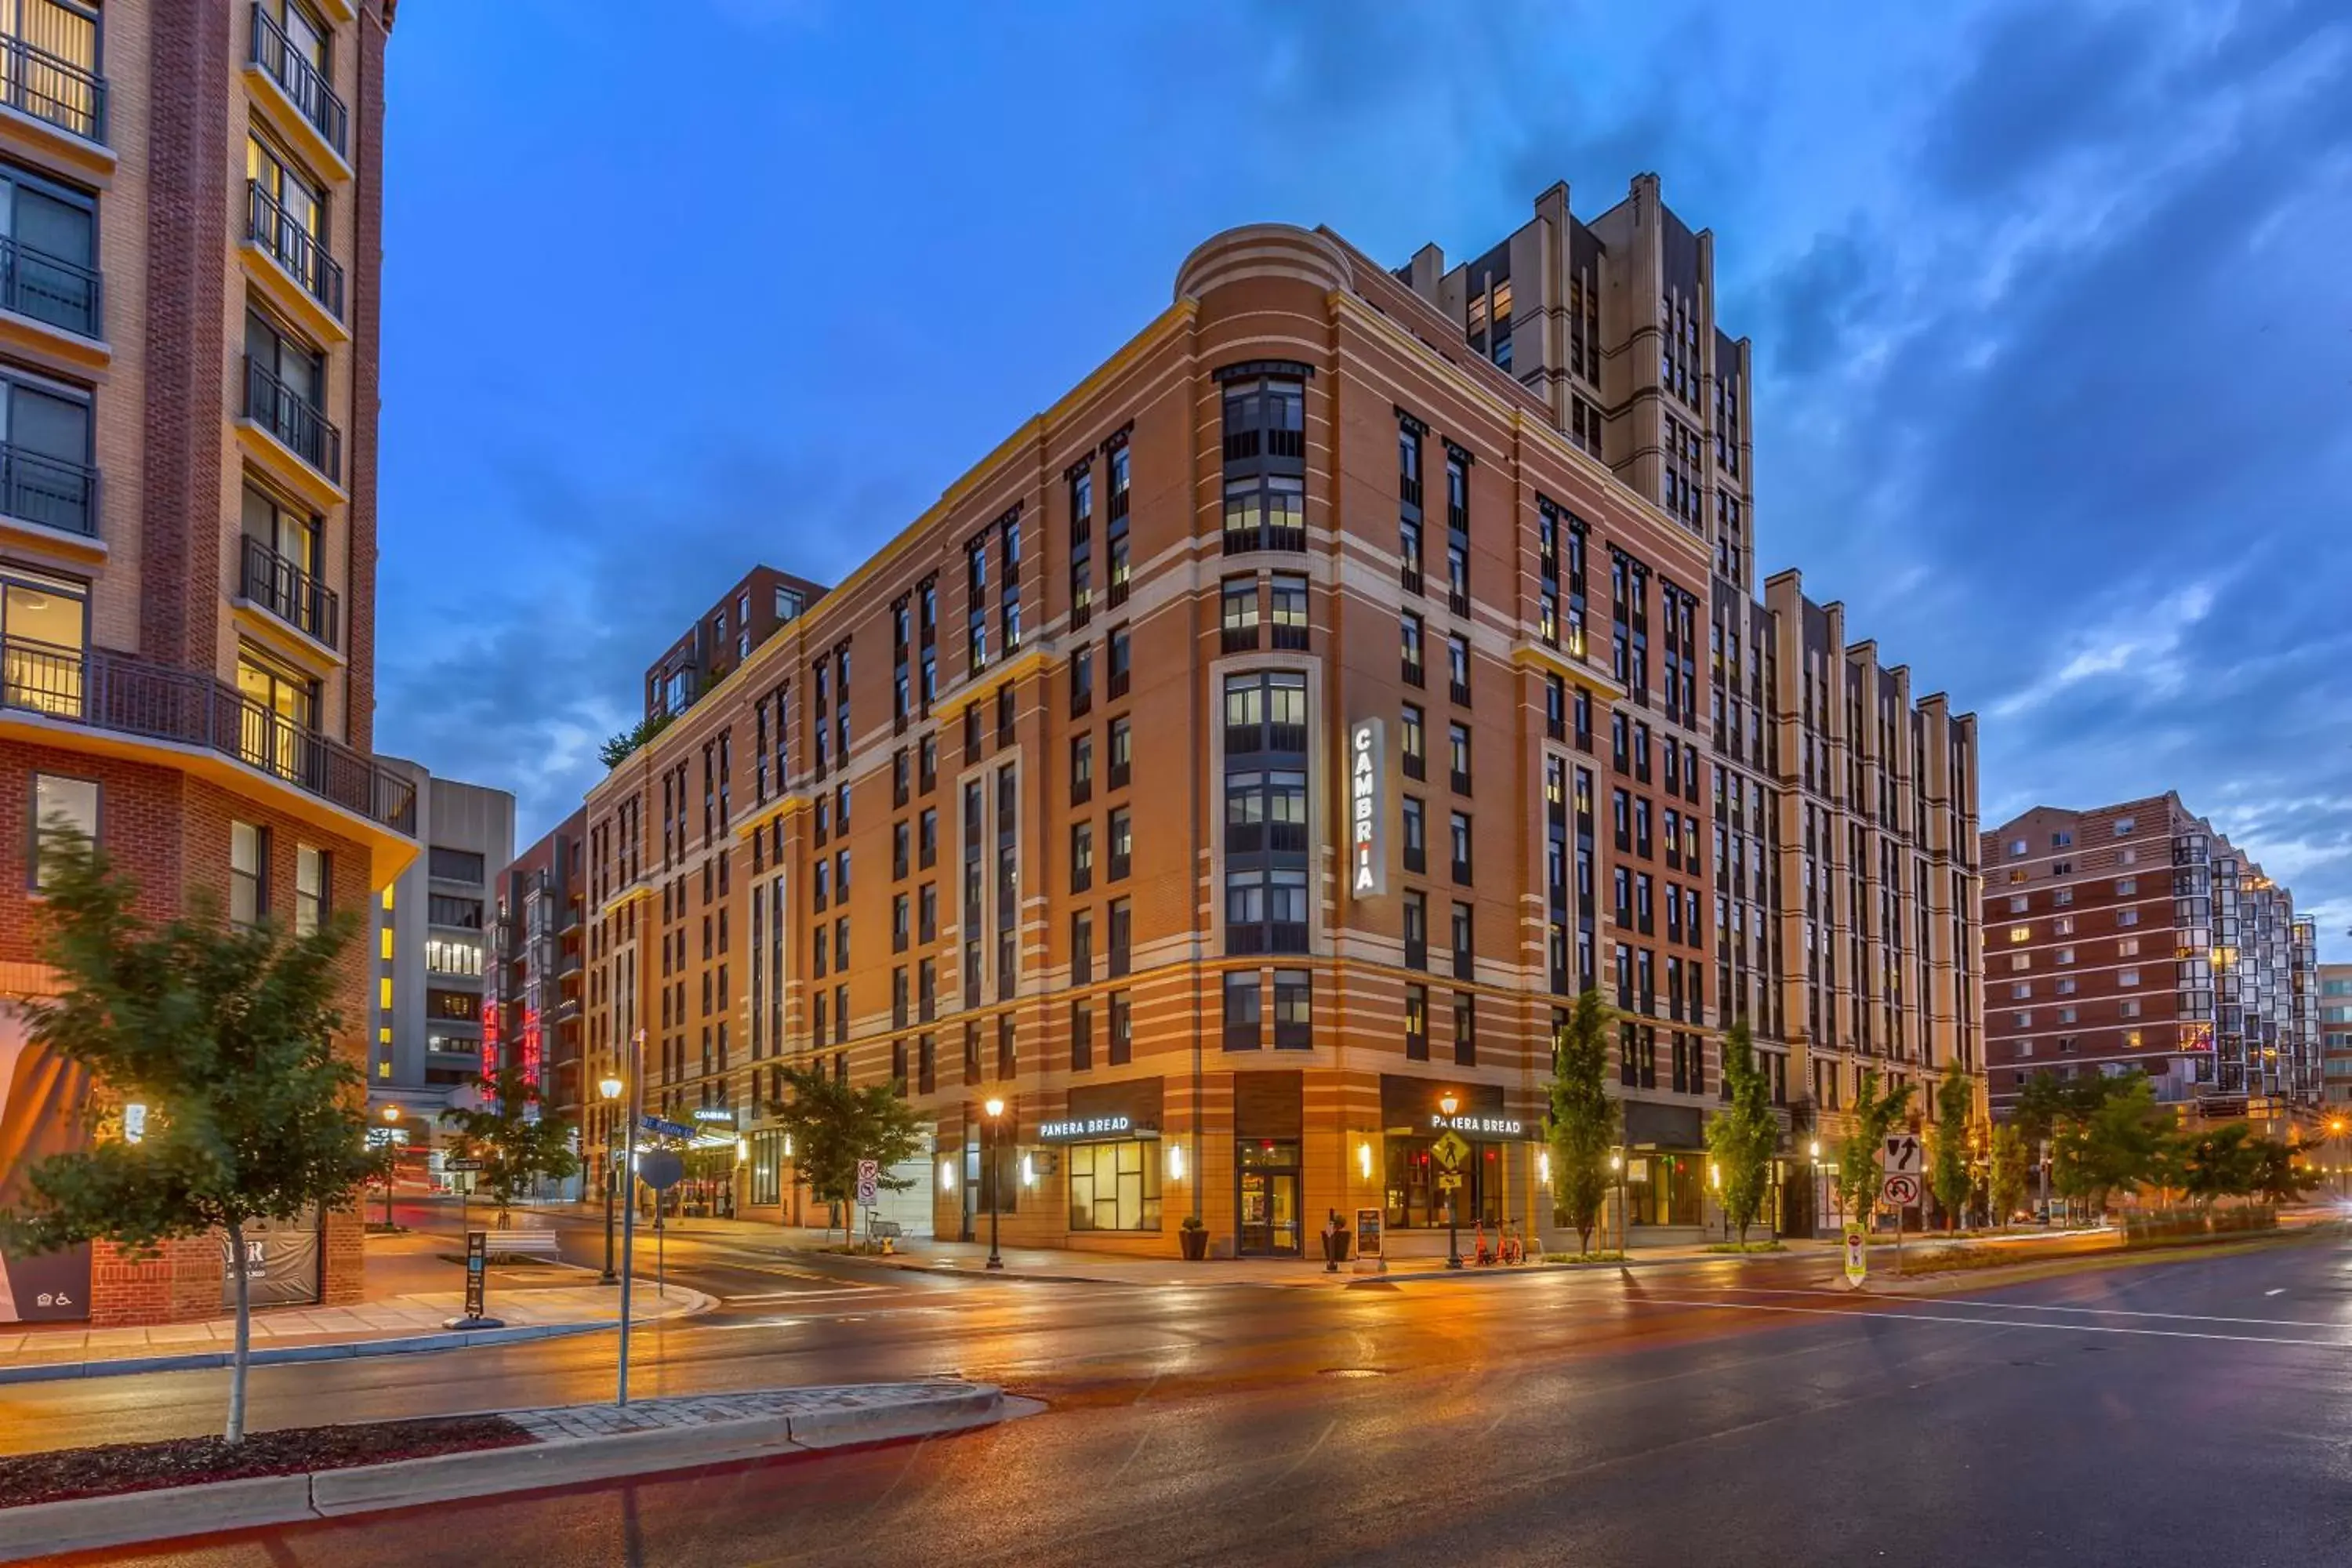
(2049, 300)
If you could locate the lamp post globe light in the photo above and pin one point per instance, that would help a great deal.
(995, 1109)
(1447, 1103)
(609, 1088)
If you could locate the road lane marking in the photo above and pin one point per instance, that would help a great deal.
(2002, 1323)
(2280, 1292)
(2036, 1307)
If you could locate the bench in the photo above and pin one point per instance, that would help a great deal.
(879, 1229)
(523, 1243)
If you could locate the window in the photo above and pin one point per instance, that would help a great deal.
(249, 873)
(2126, 978)
(1412, 745)
(1457, 753)
(1082, 769)
(1410, 634)
(63, 808)
(1122, 752)
(1082, 857)
(1115, 1186)
(1238, 614)
(2126, 917)
(43, 620)
(1457, 669)
(2124, 825)
(1244, 1024)
(1290, 601)
(311, 873)
(285, 394)
(1465, 1030)
(1121, 832)
(1416, 930)
(454, 865)
(1293, 1009)
(2126, 886)
(1416, 1023)
(1414, 836)
(50, 230)
(1460, 844)
(1465, 960)
(286, 220)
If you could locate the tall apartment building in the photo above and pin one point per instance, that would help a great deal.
(188, 353)
(430, 947)
(1241, 770)
(2134, 935)
(538, 949)
(1844, 866)
(723, 637)
(2336, 1034)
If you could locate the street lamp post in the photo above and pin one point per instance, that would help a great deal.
(1617, 1163)
(995, 1108)
(1446, 1102)
(609, 1087)
(629, 1214)
(1813, 1153)
(391, 1118)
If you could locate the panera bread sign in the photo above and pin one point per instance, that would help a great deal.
(1369, 876)
(1095, 1130)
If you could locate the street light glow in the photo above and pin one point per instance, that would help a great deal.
(610, 1086)
(1447, 1103)
(994, 1106)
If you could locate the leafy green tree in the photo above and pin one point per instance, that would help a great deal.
(617, 748)
(1948, 1147)
(1743, 1134)
(832, 1126)
(225, 1033)
(1583, 1123)
(2277, 1176)
(516, 1148)
(2006, 1180)
(1874, 1114)
(2114, 1149)
(2217, 1163)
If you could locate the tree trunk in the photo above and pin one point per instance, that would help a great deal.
(235, 1433)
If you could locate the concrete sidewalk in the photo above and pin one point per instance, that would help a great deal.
(569, 1445)
(535, 1303)
(1067, 1265)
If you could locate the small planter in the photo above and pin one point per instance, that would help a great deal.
(1195, 1243)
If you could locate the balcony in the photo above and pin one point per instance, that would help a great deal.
(273, 231)
(1238, 638)
(290, 594)
(300, 80)
(1289, 637)
(53, 89)
(122, 694)
(303, 428)
(63, 294)
(50, 491)
(1458, 691)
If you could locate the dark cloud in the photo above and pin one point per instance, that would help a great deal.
(2046, 82)
(1811, 305)
(522, 680)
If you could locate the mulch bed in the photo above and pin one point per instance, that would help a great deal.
(188, 1461)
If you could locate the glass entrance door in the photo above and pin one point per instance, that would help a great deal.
(1269, 1206)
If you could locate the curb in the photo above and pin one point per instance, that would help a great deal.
(81, 1525)
(345, 1350)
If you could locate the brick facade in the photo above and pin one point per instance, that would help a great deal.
(157, 697)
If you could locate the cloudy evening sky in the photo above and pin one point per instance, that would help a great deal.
(2051, 304)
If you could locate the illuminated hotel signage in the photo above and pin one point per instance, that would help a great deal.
(1094, 1129)
(1370, 874)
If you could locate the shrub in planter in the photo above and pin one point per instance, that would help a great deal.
(1193, 1236)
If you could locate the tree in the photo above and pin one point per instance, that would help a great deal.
(226, 1034)
(2052, 1101)
(515, 1147)
(2277, 1175)
(1873, 1113)
(2007, 1182)
(2217, 1163)
(1583, 1123)
(1948, 1147)
(617, 748)
(2117, 1147)
(832, 1126)
(1742, 1136)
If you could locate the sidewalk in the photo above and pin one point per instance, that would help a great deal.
(1066, 1265)
(403, 1311)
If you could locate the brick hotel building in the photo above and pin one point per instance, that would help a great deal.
(188, 367)
(2134, 935)
(1052, 800)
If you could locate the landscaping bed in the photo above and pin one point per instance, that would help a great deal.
(115, 1467)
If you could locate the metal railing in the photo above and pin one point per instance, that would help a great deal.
(49, 289)
(48, 490)
(51, 87)
(116, 692)
(280, 410)
(300, 80)
(290, 594)
(276, 233)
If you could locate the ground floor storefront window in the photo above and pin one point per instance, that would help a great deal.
(1269, 1197)
(1665, 1188)
(767, 1167)
(1114, 1186)
(1414, 1199)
